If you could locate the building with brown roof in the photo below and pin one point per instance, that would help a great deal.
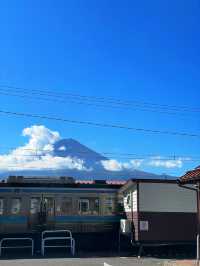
(192, 176)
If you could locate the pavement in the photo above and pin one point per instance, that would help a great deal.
(112, 261)
(23, 258)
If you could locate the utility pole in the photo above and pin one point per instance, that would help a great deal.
(197, 189)
(198, 223)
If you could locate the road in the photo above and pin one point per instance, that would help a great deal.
(83, 262)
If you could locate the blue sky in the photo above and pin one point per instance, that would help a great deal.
(146, 51)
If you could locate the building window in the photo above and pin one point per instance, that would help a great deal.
(1, 206)
(84, 206)
(15, 206)
(35, 205)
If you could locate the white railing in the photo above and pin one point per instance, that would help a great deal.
(21, 239)
(50, 236)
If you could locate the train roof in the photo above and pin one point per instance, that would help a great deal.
(59, 182)
(70, 182)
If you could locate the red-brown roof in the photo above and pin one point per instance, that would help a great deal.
(84, 182)
(108, 182)
(116, 182)
(191, 176)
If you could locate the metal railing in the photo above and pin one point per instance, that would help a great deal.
(24, 239)
(64, 235)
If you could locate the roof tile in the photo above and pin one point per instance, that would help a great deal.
(193, 175)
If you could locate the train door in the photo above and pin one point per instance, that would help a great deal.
(35, 210)
(49, 206)
(42, 212)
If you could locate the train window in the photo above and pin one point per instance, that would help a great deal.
(96, 206)
(1, 206)
(84, 206)
(109, 205)
(35, 205)
(15, 205)
(89, 206)
(120, 205)
(64, 205)
(49, 205)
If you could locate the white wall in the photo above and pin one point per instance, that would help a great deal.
(163, 197)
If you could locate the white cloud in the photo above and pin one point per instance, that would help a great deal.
(114, 165)
(136, 163)
(7, 162)
(40, 137)
(37, 153)
(161, 162)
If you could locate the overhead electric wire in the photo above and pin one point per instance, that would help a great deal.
(111, 99)
(104, 125)
(110, 158)
(93, 104)
(100, 102)
(101, 99)
(106, 153)
(79, 102)
(104, 100)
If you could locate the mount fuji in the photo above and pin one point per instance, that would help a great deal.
(92, 160)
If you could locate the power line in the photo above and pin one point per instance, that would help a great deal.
(106, 153)
(118, 157)
(117, 102)
(104, 125)
(93, 104)
(25, 165)
(109, 99)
